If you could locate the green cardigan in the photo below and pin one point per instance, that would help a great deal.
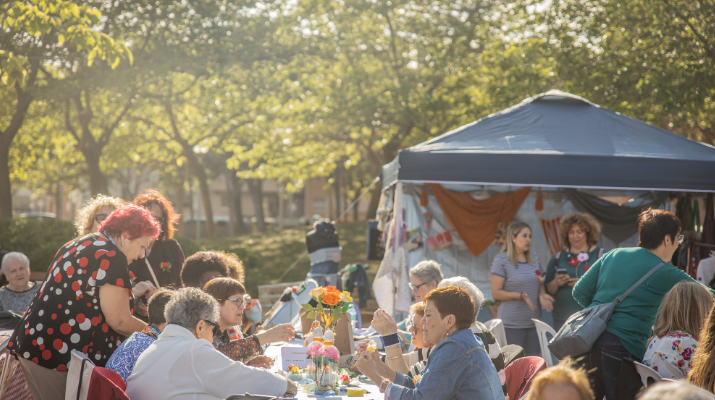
(612, 275)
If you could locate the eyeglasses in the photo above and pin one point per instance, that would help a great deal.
(240, 302)
(681, 238)
(159, 219)
(417, 287)
(100, 217)
(214, 324)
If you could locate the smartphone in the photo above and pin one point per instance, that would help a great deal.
(562, 271)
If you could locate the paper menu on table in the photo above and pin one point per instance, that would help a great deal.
(293, 355)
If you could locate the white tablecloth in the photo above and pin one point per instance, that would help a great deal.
(373, 391)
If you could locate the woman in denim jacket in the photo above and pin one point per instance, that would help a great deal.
(458, 366)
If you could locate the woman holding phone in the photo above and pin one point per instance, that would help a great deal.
(579, 234)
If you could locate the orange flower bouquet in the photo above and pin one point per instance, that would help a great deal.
(332, 303)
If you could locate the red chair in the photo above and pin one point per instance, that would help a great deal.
(106, 384)
(520, 373)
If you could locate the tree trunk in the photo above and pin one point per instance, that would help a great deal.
(179, 190)
(204, 187)
(237, 205)
(198, 169)
(255, 186)
(97, 180)
(24, 98)
(336, 188)
(90, 147)
(59, 204)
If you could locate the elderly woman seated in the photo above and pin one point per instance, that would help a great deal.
(458, 366)
(17, 295)
(229, 293)
(183, 363)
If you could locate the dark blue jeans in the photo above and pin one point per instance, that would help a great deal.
(604, 362)
(527, 338)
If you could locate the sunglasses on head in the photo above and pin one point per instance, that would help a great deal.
(100, 217)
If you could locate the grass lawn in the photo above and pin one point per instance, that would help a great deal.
(277, 250)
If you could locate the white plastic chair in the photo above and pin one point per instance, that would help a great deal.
(496, 327)
(542, 329)
(647, 372)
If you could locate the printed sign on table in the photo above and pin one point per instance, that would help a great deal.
(293, 355)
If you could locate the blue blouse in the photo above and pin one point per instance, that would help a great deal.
(127, 354)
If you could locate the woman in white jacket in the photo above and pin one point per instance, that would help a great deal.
(182, 363)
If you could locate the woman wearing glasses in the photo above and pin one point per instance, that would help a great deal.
(85, 301)
(630, 325)
(183, 364)
(94, 212)
(165, 256)
(228, 339)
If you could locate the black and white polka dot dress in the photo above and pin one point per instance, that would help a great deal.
(66, 314)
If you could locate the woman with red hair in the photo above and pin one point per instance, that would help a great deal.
(164, 257)
(85, 302)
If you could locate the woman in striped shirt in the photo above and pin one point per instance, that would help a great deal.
(517, 281)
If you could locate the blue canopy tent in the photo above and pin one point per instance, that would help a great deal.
(556, 139)
(559, 142)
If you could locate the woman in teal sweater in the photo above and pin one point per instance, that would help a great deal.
(630, 324)
(579, 234)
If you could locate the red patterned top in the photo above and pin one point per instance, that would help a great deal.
(66, 313)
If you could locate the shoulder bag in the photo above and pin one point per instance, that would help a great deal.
(581, 330)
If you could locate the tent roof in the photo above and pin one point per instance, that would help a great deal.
(562, 140)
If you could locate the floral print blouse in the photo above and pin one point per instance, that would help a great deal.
(672, 355)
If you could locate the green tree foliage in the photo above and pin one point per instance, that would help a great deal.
(34, 37)
(39, 241)
(654, 61)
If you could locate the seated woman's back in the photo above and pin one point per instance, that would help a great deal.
(677, 328)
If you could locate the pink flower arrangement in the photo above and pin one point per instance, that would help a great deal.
(314, 350)
(330, 352)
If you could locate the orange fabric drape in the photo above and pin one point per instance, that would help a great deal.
(539, 206)
(551, 233)
(424, 200)
(476, 220)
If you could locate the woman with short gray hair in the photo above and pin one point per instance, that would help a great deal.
(183, 362)
(424, 276)
(17, 295)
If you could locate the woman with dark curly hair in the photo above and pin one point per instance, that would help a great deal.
(202, 267)
(165, 256)
(579, 234)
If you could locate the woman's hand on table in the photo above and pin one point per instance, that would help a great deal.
(279, 333)
(264, 362)
(383, 323)
(292, 389)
